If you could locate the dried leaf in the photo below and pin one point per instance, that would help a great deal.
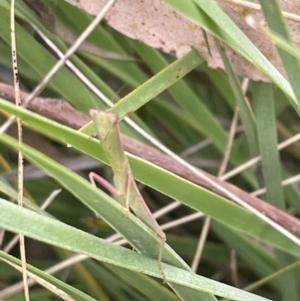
(158, 25)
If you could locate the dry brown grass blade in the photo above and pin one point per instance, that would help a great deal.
(78, 119)
(20, 139)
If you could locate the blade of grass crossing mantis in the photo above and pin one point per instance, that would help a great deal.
(126, 191)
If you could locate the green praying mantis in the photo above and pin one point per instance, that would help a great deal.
(125, 190)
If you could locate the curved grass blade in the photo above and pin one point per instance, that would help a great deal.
(31, 224)
(163, 181)
(277, 24)
(214, 20)
(152, 87)
(75, 293)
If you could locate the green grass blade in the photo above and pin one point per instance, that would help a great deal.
(135, 231)
(277, 24)
(245, 110)
(267, 137)
(215, 21)
(147, 286)
(187, 99)
(64, 82)
(13, 195)
(153, 87)
(20, 220)
(158, 83)
(163, 181)
(75, 293)
(261, 262)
